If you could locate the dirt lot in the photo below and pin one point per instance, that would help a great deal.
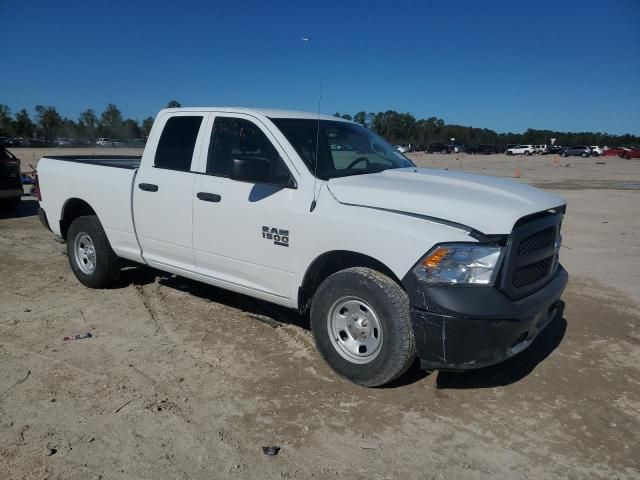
(186, 381)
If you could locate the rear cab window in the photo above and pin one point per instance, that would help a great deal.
(177, 143)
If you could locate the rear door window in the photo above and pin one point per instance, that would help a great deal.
(177, 143)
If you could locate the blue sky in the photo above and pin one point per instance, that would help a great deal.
(506, 65)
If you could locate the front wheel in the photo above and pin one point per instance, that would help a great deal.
(91, 257)
(362, 327)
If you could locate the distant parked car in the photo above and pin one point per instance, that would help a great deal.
(438, 148)
(577, 151)
(596, 151)
(116, 142)
(481, 149)
(136, 143)
(104, 142)
(17, 142)
(63, 142)
(614, 151)
(555, 149)
(633, 153)
(541, 149)
(472, 149)
(489, 149)
(521, 150)
(401, 148)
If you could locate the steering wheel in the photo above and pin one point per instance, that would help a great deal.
(357, 161)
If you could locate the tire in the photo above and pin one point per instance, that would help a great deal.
(565, 154)
(584, 155)
(91, 257)
(527, 153)
(10, 205)
(382, 308)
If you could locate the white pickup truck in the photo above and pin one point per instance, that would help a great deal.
(319, 214)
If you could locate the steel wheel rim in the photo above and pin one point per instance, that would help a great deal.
(85, 253)
(354, 329)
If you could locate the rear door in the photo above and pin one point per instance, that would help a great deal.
(162, 197)
(243, 234)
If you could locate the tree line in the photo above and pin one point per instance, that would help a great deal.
(404, 128)
(48, 123)
(397, 128)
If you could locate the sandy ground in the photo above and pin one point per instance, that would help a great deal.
(182, 380)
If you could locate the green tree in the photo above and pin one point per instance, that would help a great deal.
(360, 117)
(5, 121)
(131, 129)
(23, 126)
(88, 123)
(174, 104)
(147, 123)
(346, 116)
(111, 123)
(48, 121)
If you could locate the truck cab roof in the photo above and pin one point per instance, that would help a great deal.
(267, 112)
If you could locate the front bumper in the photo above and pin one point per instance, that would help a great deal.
(460, 328)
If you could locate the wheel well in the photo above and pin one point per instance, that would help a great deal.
(331, 262)
(72, 209)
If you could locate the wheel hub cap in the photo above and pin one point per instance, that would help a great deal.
(354, 329)
(85, 253)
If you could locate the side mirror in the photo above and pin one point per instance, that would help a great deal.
(255, 170)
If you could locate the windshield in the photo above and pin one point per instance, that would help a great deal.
(343, 148)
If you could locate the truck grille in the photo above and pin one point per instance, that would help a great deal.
(532, 255)
(537, 241)
(523, 276)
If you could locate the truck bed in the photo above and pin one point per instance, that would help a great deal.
(107, 190)
(130, 162)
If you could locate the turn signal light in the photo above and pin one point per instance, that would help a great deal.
(433, 260)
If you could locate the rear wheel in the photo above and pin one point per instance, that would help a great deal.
(584, 155)
(362, 327)
(91, 257)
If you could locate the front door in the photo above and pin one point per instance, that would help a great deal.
(242, 230)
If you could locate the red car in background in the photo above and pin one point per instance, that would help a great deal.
(633, 153)
(614, 151)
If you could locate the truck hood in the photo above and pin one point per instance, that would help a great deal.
(488, 204)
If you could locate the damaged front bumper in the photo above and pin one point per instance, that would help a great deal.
(466, 327)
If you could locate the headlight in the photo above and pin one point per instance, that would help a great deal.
(460, 264)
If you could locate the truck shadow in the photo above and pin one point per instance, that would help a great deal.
(505, 373)
(273, 315)
(514, 369)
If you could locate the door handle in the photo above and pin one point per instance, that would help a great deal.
(148, 187)
(209, 197)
